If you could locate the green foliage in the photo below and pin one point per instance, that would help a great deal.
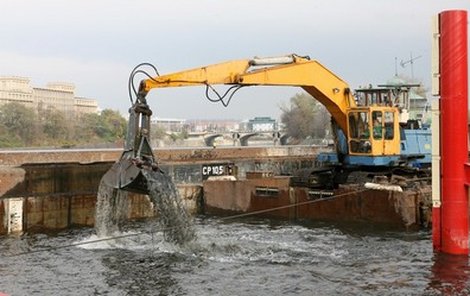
(109, 126)
(112, 125)
(184, 134)
(89, 125)
(18, 123)
(54, 125)
(158, 132)
(305, 118)
(22, 127)
(178, 136)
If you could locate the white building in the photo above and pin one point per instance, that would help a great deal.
(262, 124)
(169, 124)
(58, 95)
(213, 125)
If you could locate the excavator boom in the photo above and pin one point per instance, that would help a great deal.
(292, 70)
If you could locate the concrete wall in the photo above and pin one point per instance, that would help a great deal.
(56, 196)
(52, 190)
(165, 156)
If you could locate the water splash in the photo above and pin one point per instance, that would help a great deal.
(177, 224)
(112, 209)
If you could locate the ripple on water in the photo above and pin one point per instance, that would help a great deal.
(233, 258)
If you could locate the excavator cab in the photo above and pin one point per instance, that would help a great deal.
(373, 126)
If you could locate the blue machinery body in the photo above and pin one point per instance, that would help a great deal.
(415, 151)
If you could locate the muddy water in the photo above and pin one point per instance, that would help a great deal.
(175, 222)
(244, 257)
(228, 257)
(111, 210)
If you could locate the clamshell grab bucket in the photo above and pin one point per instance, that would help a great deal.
(126, 173)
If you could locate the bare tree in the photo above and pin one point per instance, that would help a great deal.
(305, 118)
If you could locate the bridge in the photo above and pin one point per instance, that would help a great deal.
(242, 138)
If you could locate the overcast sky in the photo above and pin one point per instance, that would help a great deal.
(95, 44)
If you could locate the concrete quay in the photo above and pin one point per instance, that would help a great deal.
(42, 190)
(164, 155)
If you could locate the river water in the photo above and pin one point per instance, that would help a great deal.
(231, 257)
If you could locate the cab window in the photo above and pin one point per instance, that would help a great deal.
(359, 125)
(353, 130)
(389, 125)
(359, 132)
(377, 125)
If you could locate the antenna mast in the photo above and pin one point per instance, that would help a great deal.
(410, 61)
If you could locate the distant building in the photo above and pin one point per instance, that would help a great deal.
(258, 124)
(169, 124)
(58, 95)
(213, 125)
(262, 124)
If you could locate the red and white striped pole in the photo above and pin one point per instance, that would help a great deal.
(450, 234)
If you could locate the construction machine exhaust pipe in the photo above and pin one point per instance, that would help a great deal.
(126, 173)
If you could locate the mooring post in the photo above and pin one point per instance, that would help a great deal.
(450, 234)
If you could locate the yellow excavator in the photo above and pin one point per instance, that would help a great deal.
(366, 124)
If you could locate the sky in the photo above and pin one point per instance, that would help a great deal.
(96, 43)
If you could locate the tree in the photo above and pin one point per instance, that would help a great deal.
(114, 125)
(84, 128)
(55, 125)
(7, 140)
(157, 132)
(305, 118)
(109, 126)
(19, 123)
(21, 126)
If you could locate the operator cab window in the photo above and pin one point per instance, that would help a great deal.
(359, 132)
(359, 125)
(377, 121)
(389, 126)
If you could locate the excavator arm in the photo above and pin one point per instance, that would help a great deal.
(292, 70)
